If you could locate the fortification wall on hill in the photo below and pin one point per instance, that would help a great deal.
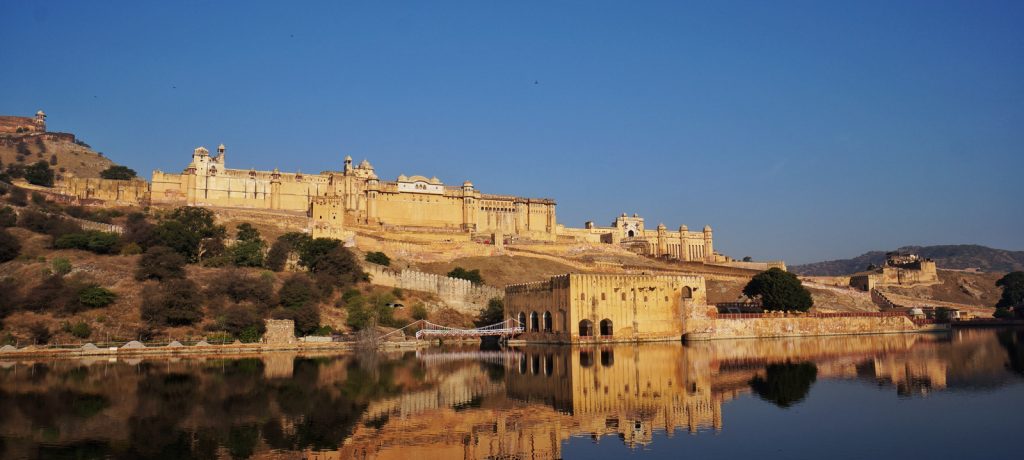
(459, 294)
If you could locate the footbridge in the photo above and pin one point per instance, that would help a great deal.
(425, 330)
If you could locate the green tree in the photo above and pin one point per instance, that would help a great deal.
(333, 264)
(1013, 290)
(192, 232)
(246, 232)
(160, 263)
(118, 172)
(779, 290)
(378, 258)
(9, 246)
(39, 174)
(285, 246)
(248, 253)
(472, 276)
(95, 296)
(493, 313)
(298, 298)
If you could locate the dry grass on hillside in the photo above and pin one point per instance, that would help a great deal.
(978, 289)
(73, 158)
(500, 271)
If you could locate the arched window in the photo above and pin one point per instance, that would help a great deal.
(630, 234)
(547, 321)
(522, 320)
(623, 296)
(586, 328)
(687, 292)
(583, 296)
(534, 322)
(602, 296)
(606, 327)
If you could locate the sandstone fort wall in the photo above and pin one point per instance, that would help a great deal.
(459, 294)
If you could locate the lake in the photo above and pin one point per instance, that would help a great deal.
(955, 395)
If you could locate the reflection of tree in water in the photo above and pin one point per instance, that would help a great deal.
(785, 384)
(1013, 341)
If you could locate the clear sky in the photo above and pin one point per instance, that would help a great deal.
(801, 130)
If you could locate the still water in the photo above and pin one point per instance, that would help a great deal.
(893, 396)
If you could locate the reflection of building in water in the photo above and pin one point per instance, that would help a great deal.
(629, 391)
(911, 376)
(459, 388)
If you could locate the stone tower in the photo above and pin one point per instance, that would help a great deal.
(40, 121)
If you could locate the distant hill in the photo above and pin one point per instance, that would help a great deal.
(953, 256)
(62, 151)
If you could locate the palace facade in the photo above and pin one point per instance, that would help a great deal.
(355, 195)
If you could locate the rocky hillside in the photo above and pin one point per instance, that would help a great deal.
(952, 257)
(62, 151)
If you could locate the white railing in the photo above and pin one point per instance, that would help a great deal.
(427, 329)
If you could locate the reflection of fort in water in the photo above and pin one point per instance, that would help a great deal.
(519, 403)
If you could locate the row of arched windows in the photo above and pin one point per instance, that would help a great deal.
(587, 328)
(536, 322)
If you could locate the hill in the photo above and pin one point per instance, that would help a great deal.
(62, 151)
(950, 257)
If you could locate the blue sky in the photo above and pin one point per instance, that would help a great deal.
(800, 130)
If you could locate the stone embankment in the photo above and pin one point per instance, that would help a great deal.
(744, 326)
(459, 294)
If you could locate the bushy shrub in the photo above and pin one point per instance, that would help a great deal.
(118, 172)
(243, 322)
(10, 248)
(96, 296)
(174, 302)
(61, 266)
(1002, 313)
(17, 197)
(237, 286)
(40, 334)
(161, 263)
(8, 218)
(80, 329)
(419, 311)
(91, 240)
(472, 276)
(47, 224)
(378, 258)
(39, 174)
(298, 298)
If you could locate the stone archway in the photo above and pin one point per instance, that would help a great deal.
(586, 328)
(606, 327)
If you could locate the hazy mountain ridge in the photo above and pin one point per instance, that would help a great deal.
(950, 256)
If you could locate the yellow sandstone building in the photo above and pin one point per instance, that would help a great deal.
(355, 195)
(581, 307)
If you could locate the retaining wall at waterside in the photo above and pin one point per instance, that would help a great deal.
(761, 326)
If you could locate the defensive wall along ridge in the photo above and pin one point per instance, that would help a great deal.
(459, 294)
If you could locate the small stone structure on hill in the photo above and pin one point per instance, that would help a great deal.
(279, 332)
(899, 270)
